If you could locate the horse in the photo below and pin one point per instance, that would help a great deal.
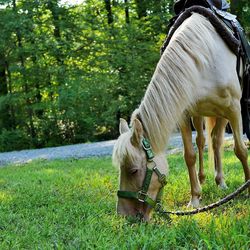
(195, 77)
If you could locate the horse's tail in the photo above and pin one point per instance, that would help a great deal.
(209, 124)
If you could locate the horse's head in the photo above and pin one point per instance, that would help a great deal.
(142, 175)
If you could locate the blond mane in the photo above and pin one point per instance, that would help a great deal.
(173, 87)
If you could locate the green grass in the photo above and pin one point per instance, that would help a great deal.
(71, 205)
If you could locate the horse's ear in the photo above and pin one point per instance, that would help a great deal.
(123, 127)
(137, 132)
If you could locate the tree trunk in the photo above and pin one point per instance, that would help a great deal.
(126, 11)
(12, 109)
(5, 119)
(3, 78)
(53, 7)
(109, 11)
(141, 6)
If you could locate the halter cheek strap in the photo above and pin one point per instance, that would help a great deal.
(142, 194)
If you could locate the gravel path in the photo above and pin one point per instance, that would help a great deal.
(78, 151)
(62, 152)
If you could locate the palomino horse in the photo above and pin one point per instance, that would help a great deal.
(195, 77)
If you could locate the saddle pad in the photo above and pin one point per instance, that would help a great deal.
(226, 35)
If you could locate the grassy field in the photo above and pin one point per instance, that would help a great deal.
(71, 205)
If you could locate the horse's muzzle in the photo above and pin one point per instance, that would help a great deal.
(133, 209)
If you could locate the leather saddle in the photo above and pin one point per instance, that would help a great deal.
(180, 5)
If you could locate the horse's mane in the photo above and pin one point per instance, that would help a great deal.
(173, 87)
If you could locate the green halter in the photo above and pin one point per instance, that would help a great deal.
(142, 195)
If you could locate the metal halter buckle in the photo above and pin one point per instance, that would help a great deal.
(145, 144)
(162, 179)
(142, 196)
(147, 147)
(158, 207)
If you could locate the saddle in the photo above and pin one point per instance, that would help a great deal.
(216, 12)
(180, 5)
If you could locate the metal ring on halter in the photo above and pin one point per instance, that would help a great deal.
(142, 196)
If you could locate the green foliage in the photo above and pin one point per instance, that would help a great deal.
(71, 205)
(242, 10)
(68, 73)
(13, 140)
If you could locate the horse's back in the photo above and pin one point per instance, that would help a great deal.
(217, 86)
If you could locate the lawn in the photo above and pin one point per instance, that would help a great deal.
(70, 204)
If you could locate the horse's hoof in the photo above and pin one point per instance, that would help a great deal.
(223, 186)
(221, 183)
(194, 203)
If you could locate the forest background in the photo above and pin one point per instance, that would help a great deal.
(69, 72)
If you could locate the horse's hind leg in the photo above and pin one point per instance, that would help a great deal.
(200, 141)
(240, 148)
(190, 158)
(217, 140)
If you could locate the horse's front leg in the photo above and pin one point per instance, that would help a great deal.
(190, 158)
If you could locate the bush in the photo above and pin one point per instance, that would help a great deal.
(14, 140)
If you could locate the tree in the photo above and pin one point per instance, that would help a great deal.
(68, 73)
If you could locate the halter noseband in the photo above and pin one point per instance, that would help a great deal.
(142, 195)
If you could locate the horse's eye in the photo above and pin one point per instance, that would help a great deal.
(134, 171)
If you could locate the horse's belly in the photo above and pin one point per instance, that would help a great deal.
(207, 109)
(214, 106)
(216, 101)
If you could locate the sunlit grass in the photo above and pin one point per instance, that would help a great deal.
(71, 205)
(4, 196)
